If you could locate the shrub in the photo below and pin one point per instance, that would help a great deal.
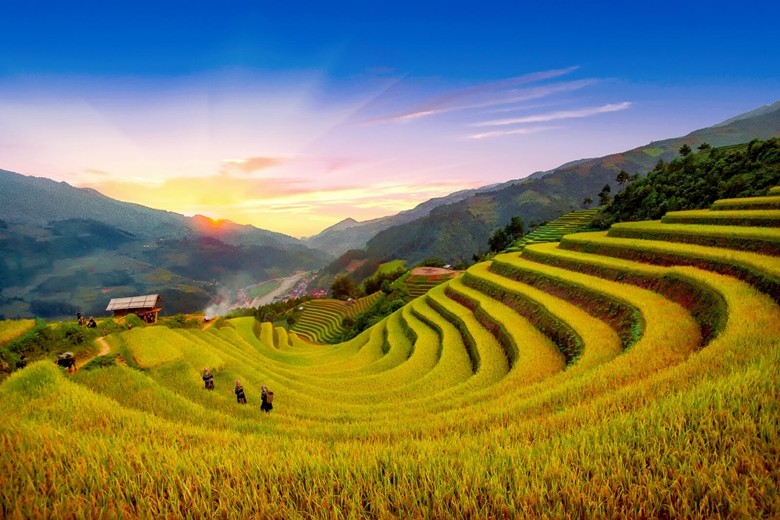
(131, 320)
(180, 321)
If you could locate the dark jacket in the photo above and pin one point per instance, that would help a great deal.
(240, 395)
(267, 405)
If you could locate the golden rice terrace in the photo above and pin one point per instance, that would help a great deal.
(623, 374)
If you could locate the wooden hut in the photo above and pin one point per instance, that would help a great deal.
(145, 307)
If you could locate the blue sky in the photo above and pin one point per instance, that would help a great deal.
(292, 116)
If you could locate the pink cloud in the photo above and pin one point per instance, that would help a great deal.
(498, 92)
(251, 164)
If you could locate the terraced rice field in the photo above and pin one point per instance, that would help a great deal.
(422, 279)
(555, 230)
(321, 319)
(625, 374)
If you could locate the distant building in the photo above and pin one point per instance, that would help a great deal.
(145, 307)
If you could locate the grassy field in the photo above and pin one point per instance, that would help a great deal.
(610, 376)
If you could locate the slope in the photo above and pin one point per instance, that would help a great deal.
(580, 380)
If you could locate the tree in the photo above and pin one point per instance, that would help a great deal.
(378, 281)
(604, 195)
(498, 240)
(586, 202)
(501, 238)
(515, 229)
(622, 178)
(343, 288)
(703, 146)
(685, 150)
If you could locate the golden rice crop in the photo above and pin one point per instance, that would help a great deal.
(12, 329)
(758, 239)
(432, 414)
(598, 241)
(152, 346)
(767, 217)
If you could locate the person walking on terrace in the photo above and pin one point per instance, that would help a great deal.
(208, 379)
(267, 398)
(240, 395)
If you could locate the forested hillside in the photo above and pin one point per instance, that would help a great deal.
(696, 180)
(456, 231)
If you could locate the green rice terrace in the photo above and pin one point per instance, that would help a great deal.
(321, 320)
(554, 230)
(629, 373)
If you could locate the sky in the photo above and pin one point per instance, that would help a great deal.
(292, 116)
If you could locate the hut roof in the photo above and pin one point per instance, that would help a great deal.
(133, 302)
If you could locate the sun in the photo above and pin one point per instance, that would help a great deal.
(209, 226)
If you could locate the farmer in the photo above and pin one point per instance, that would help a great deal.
(22, 362)
(91, 324)
(68, 361)
(267, 397)
(240, 395)
(208, 379)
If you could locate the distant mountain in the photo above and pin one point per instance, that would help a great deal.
(760, 123)
(766, 109)
(38, 201)
(66, 249)
(456, 230)
(351, 234)
(347, 223)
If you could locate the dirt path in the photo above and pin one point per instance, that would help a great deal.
(105, 348)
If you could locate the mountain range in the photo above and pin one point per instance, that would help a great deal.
(455, 227)
(66, 249)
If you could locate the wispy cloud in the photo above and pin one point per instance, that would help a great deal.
(524, 131)
(488, 94)
(519, 95)
(556, 116)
